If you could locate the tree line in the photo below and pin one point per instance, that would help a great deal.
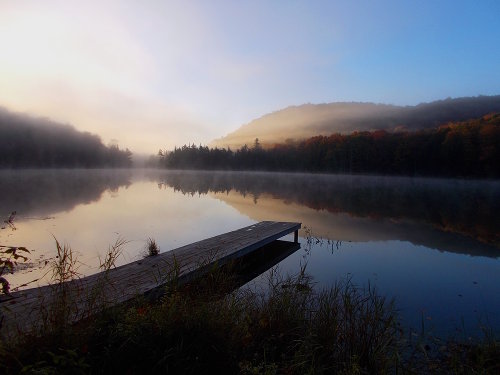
(27, 142)
(465, 149)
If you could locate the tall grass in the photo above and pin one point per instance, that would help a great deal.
(64, 266)
(200, 327)
(112, 255)
(208, 326)
(68, 298)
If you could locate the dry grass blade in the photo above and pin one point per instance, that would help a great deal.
(113, 253)
(65, 264)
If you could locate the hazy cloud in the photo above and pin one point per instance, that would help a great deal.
(165, 73)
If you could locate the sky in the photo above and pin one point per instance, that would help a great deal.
(157, 74)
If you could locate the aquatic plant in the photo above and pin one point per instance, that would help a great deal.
(10, 220)
(152, 248)
(9, 258)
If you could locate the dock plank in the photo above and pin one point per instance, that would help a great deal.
(25, 308)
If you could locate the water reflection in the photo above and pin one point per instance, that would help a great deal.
(89, 210)
(41, 193)
(387, 228)
(449, 215)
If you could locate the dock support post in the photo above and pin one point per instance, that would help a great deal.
(296, 236)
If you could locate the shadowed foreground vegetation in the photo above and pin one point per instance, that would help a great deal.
(208, 326)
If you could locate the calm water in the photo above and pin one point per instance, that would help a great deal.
(433, 245)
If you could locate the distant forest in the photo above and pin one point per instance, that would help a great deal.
(27, 142)
(309, 120)
(464, 149)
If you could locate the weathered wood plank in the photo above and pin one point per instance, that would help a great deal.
(26, 308)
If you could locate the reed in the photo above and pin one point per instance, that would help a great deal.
(209, 326)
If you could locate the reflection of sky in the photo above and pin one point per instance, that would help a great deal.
(136, 213)
(445, 286)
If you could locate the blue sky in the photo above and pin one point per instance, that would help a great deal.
(154, 74)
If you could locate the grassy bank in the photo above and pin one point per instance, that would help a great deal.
(207, 326)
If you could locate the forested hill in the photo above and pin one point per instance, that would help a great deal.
(29, 142)
(465, 149)
(309, 120)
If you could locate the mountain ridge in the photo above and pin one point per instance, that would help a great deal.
(307, 120)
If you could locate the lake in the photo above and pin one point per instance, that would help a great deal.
(431, 244)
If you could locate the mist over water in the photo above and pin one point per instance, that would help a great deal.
(431, 244)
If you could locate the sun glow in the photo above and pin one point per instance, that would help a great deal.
(161, 74)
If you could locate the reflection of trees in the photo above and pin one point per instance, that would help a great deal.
(42, 192)
(467, 207)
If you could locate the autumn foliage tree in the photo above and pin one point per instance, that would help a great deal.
(465, 149)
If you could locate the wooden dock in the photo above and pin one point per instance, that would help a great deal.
(31, 308)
